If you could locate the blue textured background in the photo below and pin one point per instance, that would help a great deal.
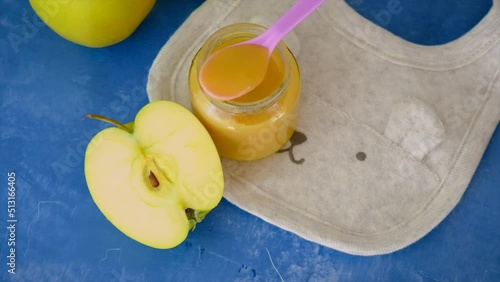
(47, 84)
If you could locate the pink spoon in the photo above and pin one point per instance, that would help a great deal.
(224, 79)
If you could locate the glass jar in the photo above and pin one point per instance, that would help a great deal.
(259, 123)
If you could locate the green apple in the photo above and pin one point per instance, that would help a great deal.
(93, 23)
(156, 177)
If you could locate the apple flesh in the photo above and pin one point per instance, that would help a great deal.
(155, 178)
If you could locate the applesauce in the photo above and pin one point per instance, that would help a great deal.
(259, 123)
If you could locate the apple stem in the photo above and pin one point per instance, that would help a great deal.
(194, 217)
(108, 120)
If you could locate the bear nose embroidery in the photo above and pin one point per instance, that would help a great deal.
(297, 138)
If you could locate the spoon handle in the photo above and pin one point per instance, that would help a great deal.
(296, 14)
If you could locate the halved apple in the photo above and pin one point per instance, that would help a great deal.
(155, 178)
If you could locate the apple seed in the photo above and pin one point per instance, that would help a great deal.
(153, 180)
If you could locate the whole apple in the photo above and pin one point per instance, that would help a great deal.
(93, 23)
(156, 177)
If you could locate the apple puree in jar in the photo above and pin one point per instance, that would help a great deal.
(260, 122)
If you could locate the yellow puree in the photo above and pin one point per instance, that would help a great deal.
(234, 71)
(254, 135)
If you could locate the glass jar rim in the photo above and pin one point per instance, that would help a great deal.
(230, 32)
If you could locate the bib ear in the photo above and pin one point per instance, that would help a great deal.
(415, 126)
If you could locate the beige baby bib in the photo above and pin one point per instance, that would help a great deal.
(390, 132)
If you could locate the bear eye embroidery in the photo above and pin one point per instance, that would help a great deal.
(361, 156)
